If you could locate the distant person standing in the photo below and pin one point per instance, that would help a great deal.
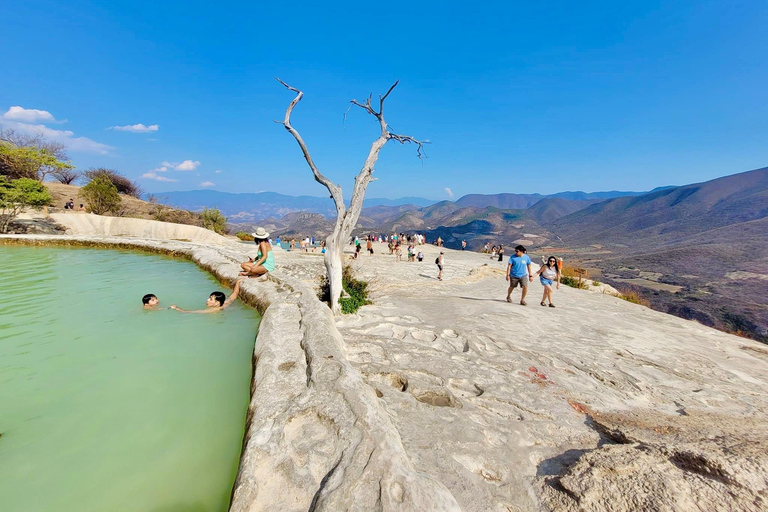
(548, 273)
(519, 273)
(501, 253)
(463, 245)
(439, 263)
(369, 246)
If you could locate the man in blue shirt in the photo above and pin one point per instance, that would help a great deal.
(519, 273)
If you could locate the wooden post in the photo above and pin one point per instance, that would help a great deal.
(581, 272)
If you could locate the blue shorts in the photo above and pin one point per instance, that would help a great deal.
(545, 281)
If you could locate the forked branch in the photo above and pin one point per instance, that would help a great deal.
(385, 133)
(334, 189)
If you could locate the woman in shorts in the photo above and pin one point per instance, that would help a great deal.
(548, 274)
(265, 257)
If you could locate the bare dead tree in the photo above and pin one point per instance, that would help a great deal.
(346, 218)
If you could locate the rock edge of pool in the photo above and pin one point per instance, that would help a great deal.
(316, 436)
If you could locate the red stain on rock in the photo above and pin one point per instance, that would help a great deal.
(541, 376)
(578, 407)
(533, 369)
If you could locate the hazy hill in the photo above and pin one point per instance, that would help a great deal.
(523, 201)
(553, 208)
(699, 251)
(668, 214)
(248, 207)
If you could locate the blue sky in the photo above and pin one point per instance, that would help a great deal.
(513, 96)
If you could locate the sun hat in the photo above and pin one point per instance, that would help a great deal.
(260, 233)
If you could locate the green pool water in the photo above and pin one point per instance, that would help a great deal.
(105, 406)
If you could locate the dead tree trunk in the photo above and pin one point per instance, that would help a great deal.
(346, 218)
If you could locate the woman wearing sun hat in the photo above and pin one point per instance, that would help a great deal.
(265, 258)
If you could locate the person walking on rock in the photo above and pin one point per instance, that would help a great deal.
(519, 273)
(548, 273)
(439, 263)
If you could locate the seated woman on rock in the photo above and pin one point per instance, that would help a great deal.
(265, 258)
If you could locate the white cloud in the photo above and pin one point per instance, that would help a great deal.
(207, 184)
(30, 115)
(162, 168)
(154, 176)
(449, 192)
(65, 137)
(218, 171)
(188, 165)
(136, 128)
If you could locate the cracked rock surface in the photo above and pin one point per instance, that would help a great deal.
(596, 405)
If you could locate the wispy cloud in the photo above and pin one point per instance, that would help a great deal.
(65, 137)
(30, 115)
(186, 165)
(218, 171)
(449, 192)
(207, 184)
(136, 128)
(154, 176)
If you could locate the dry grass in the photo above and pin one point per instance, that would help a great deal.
(129, 207)
(633, 296)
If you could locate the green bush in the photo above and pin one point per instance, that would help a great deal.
(214, 220)
(573, 282)
(356, 289)
(242, 235)
(16, 195)
(596, 283)
(101, 195)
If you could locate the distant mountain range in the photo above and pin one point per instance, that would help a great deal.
(523, 201)
(250, 207)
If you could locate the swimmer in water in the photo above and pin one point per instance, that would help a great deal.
(216, 301)
(150, 301)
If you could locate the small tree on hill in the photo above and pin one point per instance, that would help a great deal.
(346, 217)
(17, 195)
(214, 220)
(29, 162)
(122, 183)
(101, 195)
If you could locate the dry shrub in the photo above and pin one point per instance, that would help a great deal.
(123, 184)
(165, 213)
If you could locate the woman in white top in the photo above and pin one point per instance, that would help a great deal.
(548, 273)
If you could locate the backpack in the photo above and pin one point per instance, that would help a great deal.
(437, 260)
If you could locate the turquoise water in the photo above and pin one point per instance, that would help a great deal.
(105, 406)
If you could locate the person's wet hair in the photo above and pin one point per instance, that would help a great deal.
(220, 297)
(520, 248)
(259, 240)
(145, 299)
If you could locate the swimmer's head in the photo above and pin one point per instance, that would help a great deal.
(150, 300)
(216, 300)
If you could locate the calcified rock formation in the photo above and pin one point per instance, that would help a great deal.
(442, 396)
